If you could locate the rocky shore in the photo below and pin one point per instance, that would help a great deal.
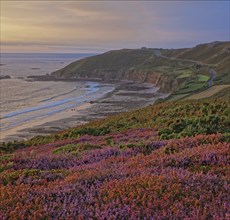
(126, 96)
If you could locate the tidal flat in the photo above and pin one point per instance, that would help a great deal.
(48, 114)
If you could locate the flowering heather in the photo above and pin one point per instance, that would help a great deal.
(122, 175)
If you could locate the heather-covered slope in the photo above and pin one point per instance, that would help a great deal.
(118, 176)
(165, 161)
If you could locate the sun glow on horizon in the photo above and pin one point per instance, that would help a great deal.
(99, 26)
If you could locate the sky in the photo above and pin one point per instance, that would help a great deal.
(98, 26)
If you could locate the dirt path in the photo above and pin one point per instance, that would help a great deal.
(158, 54)
(213, 75)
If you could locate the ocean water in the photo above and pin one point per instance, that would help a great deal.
(23, 101)
(27, 64)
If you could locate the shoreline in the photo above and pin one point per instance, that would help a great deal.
(126, 96)
(15, 131)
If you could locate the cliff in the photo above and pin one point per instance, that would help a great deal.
(168, 69)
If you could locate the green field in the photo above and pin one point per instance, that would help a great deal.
(202, 78)
(184, 75)
(190, 88)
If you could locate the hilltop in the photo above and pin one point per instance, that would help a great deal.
(181, 72)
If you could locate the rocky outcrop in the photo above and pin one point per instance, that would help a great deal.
(159, 80)
(4, 77)
(164, 82)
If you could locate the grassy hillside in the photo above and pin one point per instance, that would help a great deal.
(210, 92)
(181, 72)
(215, 54)
(111, 62)
(127, 64)
(211, 53)
(166, 161)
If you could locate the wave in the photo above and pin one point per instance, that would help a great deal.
(91, 91)
(59, 95)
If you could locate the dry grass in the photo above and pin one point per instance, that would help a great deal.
(209, 92)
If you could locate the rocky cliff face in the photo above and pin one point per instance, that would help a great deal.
(165, 83)
(160, 80)
(167, 71)
(156, 78)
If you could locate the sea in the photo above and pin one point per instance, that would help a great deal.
(23, 101)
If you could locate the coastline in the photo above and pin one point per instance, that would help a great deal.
(126, 95)
(16, 132)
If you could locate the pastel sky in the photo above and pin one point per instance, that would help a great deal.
(97, 26)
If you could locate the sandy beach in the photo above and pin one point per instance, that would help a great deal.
(126, 96)
(17, 132)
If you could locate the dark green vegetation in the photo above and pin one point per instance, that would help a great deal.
(181, 72)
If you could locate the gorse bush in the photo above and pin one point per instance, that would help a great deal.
(191, 126)
(172, 119)
(75, 148)
(69, 148)
(90, 131)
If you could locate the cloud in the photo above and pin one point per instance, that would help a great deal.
(95, 24)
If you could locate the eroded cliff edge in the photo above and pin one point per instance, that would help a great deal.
(168, 69)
